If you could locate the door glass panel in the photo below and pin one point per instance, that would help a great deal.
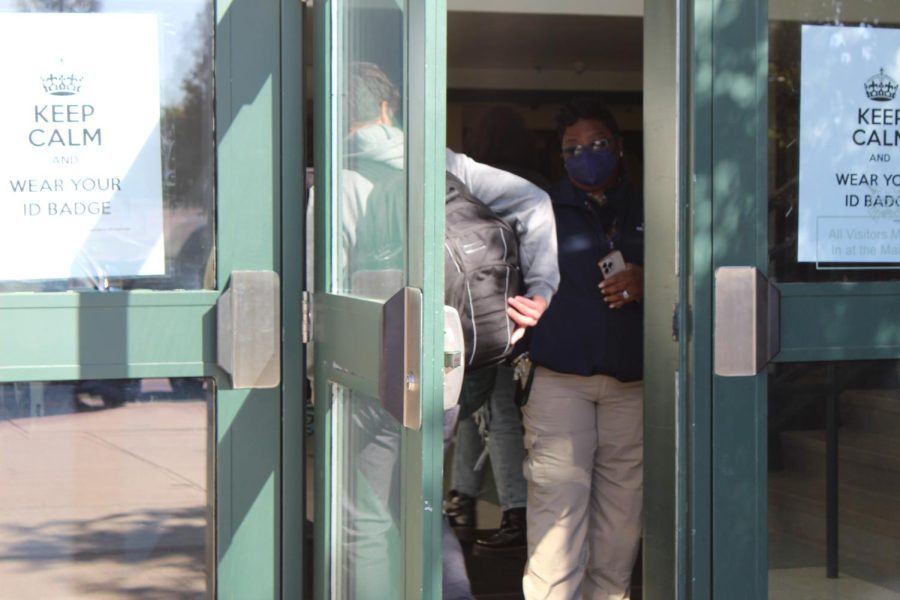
(369, 260)
(369, 175)
(107, 180)
(105, 489)
(366, 542)
(863, 399)
(833, 198)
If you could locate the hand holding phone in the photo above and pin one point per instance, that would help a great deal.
(622, 283)
(611, 264)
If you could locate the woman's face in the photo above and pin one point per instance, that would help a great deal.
(591, 152)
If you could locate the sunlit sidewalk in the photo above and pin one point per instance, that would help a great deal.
(105, 504)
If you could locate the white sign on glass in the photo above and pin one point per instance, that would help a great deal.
(849, 145)
(80, 166)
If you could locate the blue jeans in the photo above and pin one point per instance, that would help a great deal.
(455, 578)
(489, 392)
(371, 504)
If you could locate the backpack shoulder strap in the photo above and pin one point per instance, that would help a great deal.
(455, 187)
(454, 180)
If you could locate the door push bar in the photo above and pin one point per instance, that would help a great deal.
(399, 383)
(746, 332)
(248, 338)
(401, 346)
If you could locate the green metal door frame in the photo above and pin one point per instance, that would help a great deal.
(428, 70)
(147, 334)
(705, 139)
(727, 227)
(422, 455)
(666, 408)
(259, 123)
(295, 578)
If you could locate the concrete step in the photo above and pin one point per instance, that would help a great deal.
(873, 411)
(868, 521)
(866, 460)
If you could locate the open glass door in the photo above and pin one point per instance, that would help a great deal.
(141, 407)
(806, 479)
(379, 107)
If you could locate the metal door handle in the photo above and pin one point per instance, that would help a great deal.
(746, 334)
(248, 337)
(401, 345)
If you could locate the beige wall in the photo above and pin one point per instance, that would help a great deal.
(619, 8)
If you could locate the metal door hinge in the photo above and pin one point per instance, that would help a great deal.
(676, 329)
(306, 326)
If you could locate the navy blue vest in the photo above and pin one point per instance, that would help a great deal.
(579, 333)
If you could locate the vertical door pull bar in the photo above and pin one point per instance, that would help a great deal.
(746, 321)
(248, 337)
(401, 344)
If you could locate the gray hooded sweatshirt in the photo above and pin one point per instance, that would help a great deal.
(376, 153)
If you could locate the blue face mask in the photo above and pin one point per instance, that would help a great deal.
(591, 168)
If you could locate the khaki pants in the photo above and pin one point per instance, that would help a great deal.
(584, 437)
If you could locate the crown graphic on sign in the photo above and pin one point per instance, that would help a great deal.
(881, 87)
(62, 85)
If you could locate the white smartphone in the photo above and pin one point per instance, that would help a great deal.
(612, 263)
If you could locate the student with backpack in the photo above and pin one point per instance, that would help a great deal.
(371, 251)
(490, 423)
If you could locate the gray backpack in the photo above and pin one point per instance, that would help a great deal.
(481, 271)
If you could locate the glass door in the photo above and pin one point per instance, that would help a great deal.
(141, 397)
(378, 325)
(801, 116)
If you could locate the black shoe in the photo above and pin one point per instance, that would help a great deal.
(460, 511)
(511, 538)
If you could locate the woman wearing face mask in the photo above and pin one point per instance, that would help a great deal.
(584, 416)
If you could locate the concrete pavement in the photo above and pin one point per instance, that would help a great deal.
(105, 504)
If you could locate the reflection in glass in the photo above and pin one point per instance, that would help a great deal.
(370, 181)
(786, 19)
(103, 489)
(367, 498)
(186, 136)
(369, 260)
(863, 399)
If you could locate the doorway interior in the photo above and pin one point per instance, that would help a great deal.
(526, 64)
